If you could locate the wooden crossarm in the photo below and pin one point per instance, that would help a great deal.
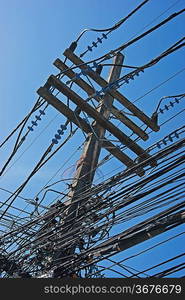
(90, 91)
(116, 94)
(123, 138)
(77, 120)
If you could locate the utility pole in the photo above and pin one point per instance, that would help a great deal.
(88, 162)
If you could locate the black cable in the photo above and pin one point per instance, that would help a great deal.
(114, 27)
(174, 15)
(150, 248)
(17, 143)
(158, 86)
(41, 162)
(160, 264)
(167, 97)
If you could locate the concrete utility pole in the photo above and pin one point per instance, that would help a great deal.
(86, 167)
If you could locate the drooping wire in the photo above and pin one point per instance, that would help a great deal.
(114, 27)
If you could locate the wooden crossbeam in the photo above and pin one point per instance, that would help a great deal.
(90, 91)
(81, 123)
(123, 138)
(116, 94)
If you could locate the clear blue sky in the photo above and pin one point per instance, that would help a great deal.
(34, 33)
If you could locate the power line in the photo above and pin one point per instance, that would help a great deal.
(114, 27)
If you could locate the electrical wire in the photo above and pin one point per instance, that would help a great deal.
(114, 180)
(114, 27)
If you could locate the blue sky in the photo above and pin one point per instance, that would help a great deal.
(34, 33)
